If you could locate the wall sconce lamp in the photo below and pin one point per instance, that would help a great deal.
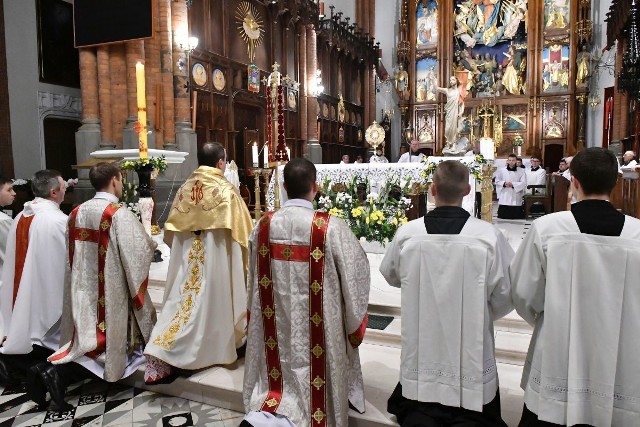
(315, 86)
(188, 47)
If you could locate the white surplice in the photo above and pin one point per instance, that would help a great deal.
(129, 312)
(378, 159)
(408, 158)
(453, 288)
(202, 320)
(38, 303)
(581, 293)
(537, 177)
(510, 196)
(345, 295)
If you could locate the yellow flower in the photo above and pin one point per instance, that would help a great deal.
(366, 220)
(404, 220)
(335, 211)
(395, 221)
(399, 214)
(356, 212)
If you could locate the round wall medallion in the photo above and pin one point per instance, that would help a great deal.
(199, 74)
(219, 81)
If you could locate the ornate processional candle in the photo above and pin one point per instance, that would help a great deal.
(141, 126)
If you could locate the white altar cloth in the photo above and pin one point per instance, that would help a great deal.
(134, 154)
(378, 174)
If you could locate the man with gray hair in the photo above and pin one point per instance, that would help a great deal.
(628, 159)
(452, 269)
(33, 280)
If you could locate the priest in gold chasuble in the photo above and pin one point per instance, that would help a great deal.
(203, 319)
(308, 295)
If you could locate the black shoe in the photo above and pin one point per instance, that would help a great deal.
(6, 376)
(36, 390)
(55, 386)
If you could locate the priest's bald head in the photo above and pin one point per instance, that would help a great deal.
(450, 183)
(300, 179)
(594, 172)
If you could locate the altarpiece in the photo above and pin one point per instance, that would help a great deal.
(522, 67)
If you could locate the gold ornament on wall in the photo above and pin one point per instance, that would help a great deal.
(374, 135)
(250, 26)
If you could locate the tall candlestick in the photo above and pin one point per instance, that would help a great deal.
(142, 111)
(266, 155)
(254, 154)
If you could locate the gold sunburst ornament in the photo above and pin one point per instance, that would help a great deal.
(250, 27)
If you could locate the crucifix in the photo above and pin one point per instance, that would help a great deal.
(486, 117)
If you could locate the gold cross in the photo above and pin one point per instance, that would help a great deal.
(318, 415)
(316, 319)
(274, 373)
(317, 254)
(287, 252)
(319, 222)
(265, 282)
(316, 287)
(317, 351)
(264, 250)
(318, 382)
(272, 402)
(268, 312)
(271, 343)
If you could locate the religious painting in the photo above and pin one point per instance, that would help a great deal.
(488, 22)
(292, 100)
(253, 80)
(556, 14)
(514, 117)
(426, 79)
(555, 68)
(554, 120)
(426, 125)
(427, 24)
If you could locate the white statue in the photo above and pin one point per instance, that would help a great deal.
(454, 108)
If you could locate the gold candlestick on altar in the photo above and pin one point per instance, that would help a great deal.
(486, 209)
(257, 213)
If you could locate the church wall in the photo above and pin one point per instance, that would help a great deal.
(21, 38)
(605, 79)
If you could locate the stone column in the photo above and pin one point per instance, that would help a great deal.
(88, 135)
(152, 72)
(167, 127)
(186, 139)
(314, 150)
(371, 22)
(118, 73)
(304, 83)
(104, 97)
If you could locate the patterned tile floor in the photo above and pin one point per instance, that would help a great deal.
(97, 403)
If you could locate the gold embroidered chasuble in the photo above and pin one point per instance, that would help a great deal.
(299, 318)
(206, 278)
(107, 313)
(208, 201)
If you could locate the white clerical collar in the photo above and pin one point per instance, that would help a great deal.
(106, 196)
(302, 203)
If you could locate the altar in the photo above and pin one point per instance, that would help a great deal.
(378, 175)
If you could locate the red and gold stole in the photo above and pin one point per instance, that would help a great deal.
(314, 254)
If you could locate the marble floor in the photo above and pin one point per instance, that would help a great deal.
(202, 398)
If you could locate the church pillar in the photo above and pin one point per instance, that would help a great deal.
(166, 126)
(104, 96)
(371, 10)
(371, 28)
(88, 135)
(186, 139)
(304, 84)
(314, 151)
(152, 71)
(118, 73)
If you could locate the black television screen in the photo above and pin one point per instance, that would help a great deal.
(99, 22)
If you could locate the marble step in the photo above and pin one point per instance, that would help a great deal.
(222, 386)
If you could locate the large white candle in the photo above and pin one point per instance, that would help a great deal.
(266, 155)
(487, 148)
(142, 111)
(288, 153)
(254, 154)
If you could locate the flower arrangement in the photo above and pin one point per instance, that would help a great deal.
(159, 164)
(22, 184)
(475, 167)
(518, 141)
(70, 183)
(373, 216)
